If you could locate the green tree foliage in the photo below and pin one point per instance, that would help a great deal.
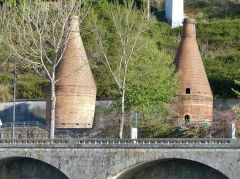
(156, 128)
(14, 3)
(105, 83)
(153, 83)
(152, 80)
(237, 82)
(10, 2)
(236, 91)
(158, 122)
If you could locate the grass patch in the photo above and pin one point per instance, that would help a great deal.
(28, 87)
(5, 93)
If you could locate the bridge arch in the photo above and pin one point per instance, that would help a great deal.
(170, 168)
(25, 167)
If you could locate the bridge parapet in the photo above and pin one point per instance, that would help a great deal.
(124, 143)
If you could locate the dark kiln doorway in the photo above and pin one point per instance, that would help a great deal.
(187, 119)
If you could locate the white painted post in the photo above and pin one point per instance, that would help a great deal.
(133, 133)
(232, 131)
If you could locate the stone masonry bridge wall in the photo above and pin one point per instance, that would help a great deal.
(101, 159)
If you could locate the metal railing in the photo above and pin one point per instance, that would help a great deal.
(25, 124)
(76, 140)
(124, 141)
(39, 125)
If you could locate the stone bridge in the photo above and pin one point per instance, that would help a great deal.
(123, 159)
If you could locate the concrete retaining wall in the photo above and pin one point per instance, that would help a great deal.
(25, 111)
(225, 103)
(35, 111)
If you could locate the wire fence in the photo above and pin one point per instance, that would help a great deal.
(110, 128)
(31, 124)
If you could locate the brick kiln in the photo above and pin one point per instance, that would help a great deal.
(75, 94)
(195, 98)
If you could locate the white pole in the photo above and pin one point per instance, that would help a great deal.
(133, 133)
(232, 131)
(134, 130)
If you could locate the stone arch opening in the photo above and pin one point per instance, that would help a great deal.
(28, 168)
(171, 168)
(187, 119)
(188, 91)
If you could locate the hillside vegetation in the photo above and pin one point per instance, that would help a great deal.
(219, 41)
(218, 24)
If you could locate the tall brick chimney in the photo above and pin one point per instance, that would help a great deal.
(195, 97)
(75, 94)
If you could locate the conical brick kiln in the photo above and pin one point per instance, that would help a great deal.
(76, 91)
(195, 98)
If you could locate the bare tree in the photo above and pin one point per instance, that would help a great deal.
(37, 33)
(129, 24)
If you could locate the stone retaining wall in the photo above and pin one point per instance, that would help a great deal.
(35, 111)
